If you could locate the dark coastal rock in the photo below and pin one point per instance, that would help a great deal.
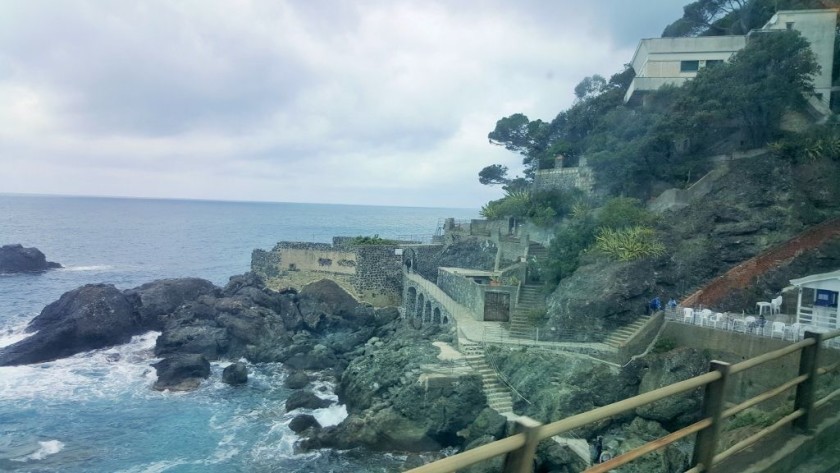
(302, 422)
(297, 380)
(667, 368)
(157, 299)
(236, 373)
(560, 385)
(212, 342)
(17, 259)
(181, 372)
(600, 297)
(394, 405)
(90, 317)
(306, 400)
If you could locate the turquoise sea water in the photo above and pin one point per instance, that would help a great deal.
(95, 412)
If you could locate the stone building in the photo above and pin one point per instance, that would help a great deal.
(371, 272)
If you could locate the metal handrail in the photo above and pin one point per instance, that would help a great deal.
(521, 457)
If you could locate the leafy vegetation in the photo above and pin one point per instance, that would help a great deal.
(822, 142)
(628, 243)
(621, 212)
(636, 152)
(370, 240)
(541, 207)
(733, 17)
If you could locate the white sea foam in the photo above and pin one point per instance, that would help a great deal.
(14, 334)
(330, 416)
(96, 267)
(50, 447)
(94, 374)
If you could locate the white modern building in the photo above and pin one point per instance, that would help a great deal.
(661, 61)
(816, 305)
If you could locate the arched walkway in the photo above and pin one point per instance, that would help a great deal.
(411, 301)
(436, 316)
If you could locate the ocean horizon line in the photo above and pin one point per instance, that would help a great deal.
(218, 201)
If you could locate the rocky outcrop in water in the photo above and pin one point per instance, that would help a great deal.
(181, 372)
(235, 374)
(17, 259)
(92, 316)
(398, 394)
(320, 328)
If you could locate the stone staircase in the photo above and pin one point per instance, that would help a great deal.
(531, 298)
(498, 395)
(537, 251)
(619, 336)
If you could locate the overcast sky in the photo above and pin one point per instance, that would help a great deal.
(358, 102)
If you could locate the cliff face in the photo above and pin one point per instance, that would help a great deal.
(758, 204)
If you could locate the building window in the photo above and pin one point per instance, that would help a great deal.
(689, 66)
(713, 62)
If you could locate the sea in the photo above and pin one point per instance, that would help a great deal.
(96, 411)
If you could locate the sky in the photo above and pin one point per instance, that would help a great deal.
(379, 102)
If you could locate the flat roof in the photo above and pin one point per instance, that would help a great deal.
(815, 278)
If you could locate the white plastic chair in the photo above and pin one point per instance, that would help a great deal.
(793, 330)
(716, 319)
(704, 317)
(776, 306)
(749, 322)
(778, 327)
(688, 315)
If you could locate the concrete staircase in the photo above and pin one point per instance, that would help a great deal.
(535, 250)
(498, 395)
(619, 336)
(531, 298)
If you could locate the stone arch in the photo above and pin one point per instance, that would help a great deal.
(410, 300)
(436, 315)
(421, 300)
(445, 319)
(409, 260)
(427, 312)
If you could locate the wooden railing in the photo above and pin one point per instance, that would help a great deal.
(520, 447)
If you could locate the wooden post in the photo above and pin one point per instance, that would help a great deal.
(805, 392)
(705, 446)
(522, 460)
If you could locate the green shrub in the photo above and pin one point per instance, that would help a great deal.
(628, 244)
(623, 212)
(568, 244)
(370, 240)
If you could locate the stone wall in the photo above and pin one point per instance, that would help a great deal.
(463, 291)
(579, 177)
(378, 277)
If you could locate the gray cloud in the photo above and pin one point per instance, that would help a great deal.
(375, 101)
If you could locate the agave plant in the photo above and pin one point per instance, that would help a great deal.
(628, 244)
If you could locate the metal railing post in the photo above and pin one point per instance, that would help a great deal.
(805, 391)
(522, 459)
(705, 445)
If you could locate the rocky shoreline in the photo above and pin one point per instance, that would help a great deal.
(379, 362)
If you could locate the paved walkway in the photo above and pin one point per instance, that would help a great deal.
(477, 331)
